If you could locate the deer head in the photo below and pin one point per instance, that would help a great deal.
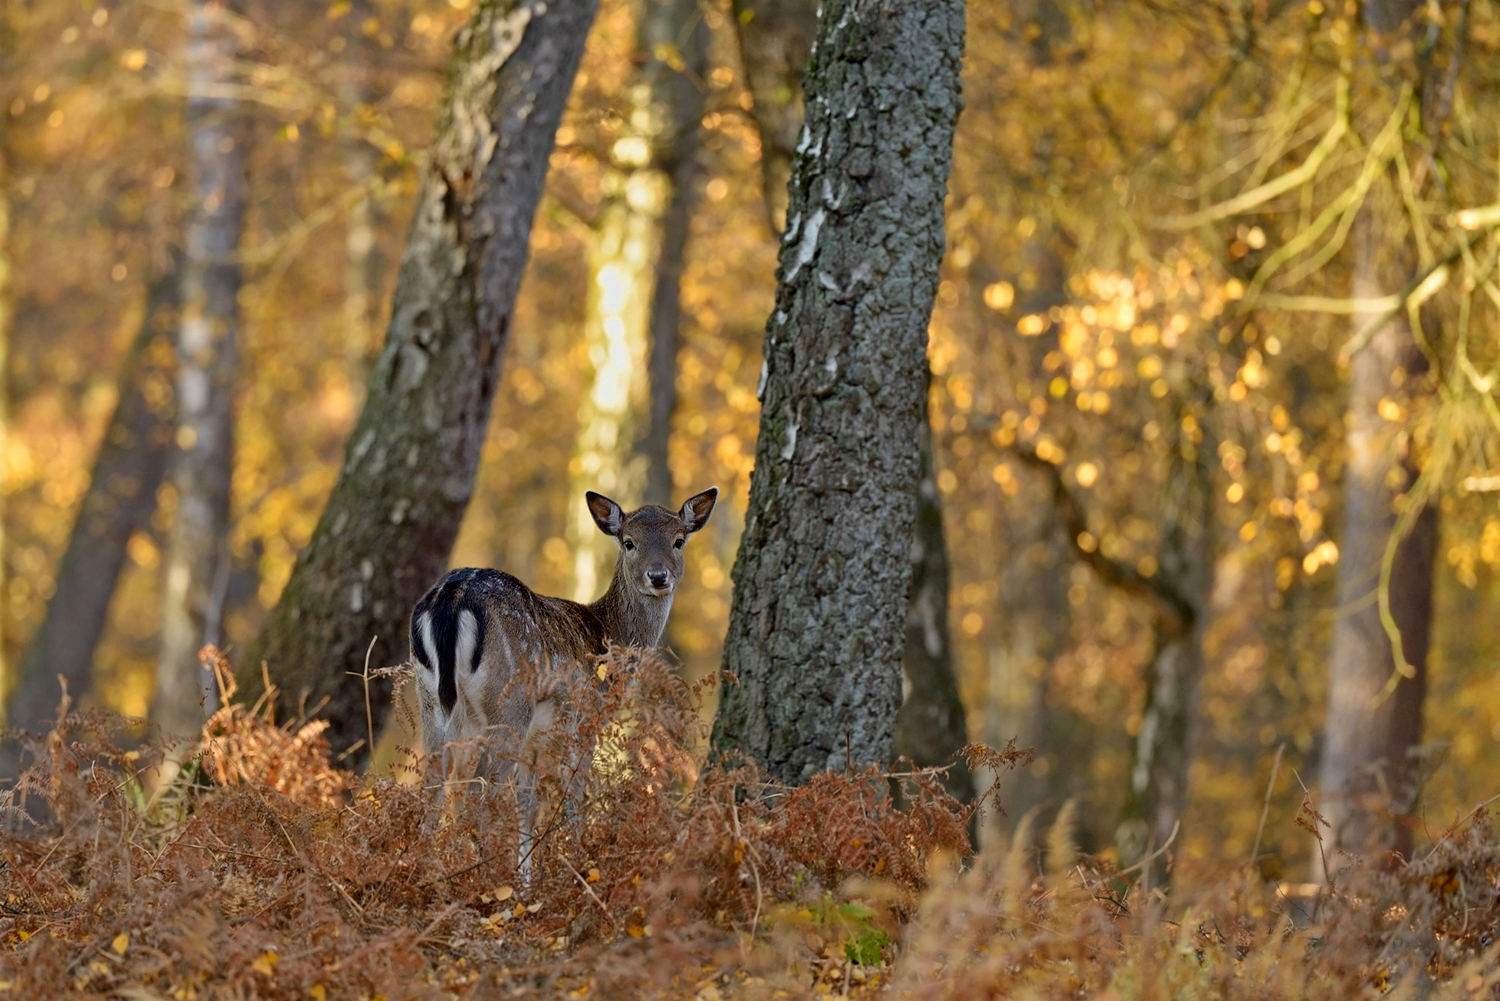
(651, 540)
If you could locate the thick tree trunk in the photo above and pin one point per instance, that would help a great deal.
(1156, 789)
(121, 497)
(195, 562)
(1368, 780)
(634, 267)
(819, 606)
(386, 532)
(931, 726)
(1367, 775)
(775, 39)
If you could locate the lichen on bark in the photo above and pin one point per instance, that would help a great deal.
(818, 614)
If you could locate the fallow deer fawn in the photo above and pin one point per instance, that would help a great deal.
(477, 633)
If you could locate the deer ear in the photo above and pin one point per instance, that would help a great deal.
(607, 514)
(695, 510)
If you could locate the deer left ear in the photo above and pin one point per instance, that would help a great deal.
(607, 514)
(696, 509)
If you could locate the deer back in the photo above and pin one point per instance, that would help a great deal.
(482, 640)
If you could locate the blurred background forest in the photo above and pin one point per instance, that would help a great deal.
(1102, 304)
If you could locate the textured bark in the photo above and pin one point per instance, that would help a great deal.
(196, 559)
(818, 613)
(775, 39)
(1156, 789)
(1366, 773)
(634, 264)
(129, 467)
(385, 535)
(931, 726)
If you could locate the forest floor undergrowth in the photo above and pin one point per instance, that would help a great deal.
(260, 869)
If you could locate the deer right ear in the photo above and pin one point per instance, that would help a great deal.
(607, 514)
(696, 509)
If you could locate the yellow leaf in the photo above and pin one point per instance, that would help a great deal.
(533, 908)
(318, 992)
(121, 943)
(504, 893)
(635, 931)
(593, 876)
(265, 965)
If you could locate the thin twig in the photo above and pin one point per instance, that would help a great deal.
(1266, 807)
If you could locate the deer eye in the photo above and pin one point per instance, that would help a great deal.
(678, 543)
(629, 546)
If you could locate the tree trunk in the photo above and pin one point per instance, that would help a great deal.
(386, 532)
(7, 314)
(819, 605)
(360, 271)
(775, 39)
(1367, 775)
(931, 726)
(121, 497)
(1156, 789)
(1034, 632)
(634, 266)
(195, 562)
(673, 27)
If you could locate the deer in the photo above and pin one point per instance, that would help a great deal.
(495, 659)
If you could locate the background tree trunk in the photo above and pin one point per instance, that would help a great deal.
(634, 266)
(127, 471)
(818, 611)
(360, 268)
(931, 726)
(677, 30)
(386, 532)
(1366, 769)
(1366, 772)
(1156, 787)
(196, 558)
(775, 39)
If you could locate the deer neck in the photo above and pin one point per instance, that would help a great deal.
(630, 617)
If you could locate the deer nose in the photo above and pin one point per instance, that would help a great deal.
(657, 578)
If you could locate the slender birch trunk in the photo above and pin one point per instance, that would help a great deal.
(819, 606)
(1368, 779)
(1156, 787)
(775, 39)
(121, 498)
(196, 559)
(386, 532)
(634, 265)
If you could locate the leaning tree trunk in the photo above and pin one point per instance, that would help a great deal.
(1366, 773)
(386, 532)
(360, 264)
(819, 607)
(634, 265)
(1156, 787)
(195, 562)
(931, 725)
(121, 497)
(775, 39)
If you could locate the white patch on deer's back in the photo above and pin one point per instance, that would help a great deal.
(426, 652)
(468, 637)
